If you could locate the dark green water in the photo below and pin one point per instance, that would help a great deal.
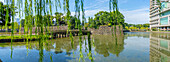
(132, 47)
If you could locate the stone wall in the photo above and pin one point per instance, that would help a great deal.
(106, 30)
(54, 28)
(103, 30)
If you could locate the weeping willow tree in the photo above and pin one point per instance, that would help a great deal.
(41, 8)
(79, 4)
(113, 7)
(34, 10)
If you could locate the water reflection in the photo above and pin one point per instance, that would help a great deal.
(91, 48)
(63, 49)
(41, 52)
(137, 34)
(106, 44)
(159, 47)
(47, 50)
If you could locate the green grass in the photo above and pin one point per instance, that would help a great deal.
(21, 37)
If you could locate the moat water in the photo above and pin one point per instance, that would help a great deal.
(130, 47)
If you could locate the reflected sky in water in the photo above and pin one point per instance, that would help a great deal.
(130, 47)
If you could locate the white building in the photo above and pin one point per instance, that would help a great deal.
(160, 15)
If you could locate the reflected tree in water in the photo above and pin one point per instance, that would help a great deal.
(104, 46)
(90, 48)
(41, 52)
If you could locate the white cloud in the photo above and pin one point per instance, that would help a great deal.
(97, 4)
(138, 16)
(89, 13)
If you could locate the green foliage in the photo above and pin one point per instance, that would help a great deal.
(16, 26)
(92, 23)
(154, 29)
(40, 16)
(104, 18)
(73, 22)
(22, 21)
(20, 37)
(136, 27)
(5, 14)
(59, 18)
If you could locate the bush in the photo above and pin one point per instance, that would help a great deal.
(154, 29)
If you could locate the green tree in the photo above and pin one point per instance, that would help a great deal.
(102, 18)
(107, 18)
(16, 26)
(59, 18)
(73, 22)
(117, 18)
(146, 25)
(47, 20)
(92, 23)
(22, 22)
(137, 26)
(5, 14)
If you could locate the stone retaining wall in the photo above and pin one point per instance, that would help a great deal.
(106, 30)
(103, 30)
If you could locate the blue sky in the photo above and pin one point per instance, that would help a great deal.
(135, 11)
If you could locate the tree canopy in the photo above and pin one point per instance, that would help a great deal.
(136, 26)
(106, 18)
(58, 19)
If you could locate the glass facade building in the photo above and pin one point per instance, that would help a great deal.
(164, 21)
(165, 13)
(160, 15)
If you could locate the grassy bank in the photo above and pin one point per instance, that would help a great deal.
(21, 37)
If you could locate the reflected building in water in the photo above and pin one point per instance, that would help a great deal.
(159, 47)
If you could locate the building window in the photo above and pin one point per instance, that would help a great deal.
(164, 44)
(164, 21)
(165, 13)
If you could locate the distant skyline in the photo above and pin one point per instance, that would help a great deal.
(135, 11)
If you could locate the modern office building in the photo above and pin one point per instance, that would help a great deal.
(160, 15)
